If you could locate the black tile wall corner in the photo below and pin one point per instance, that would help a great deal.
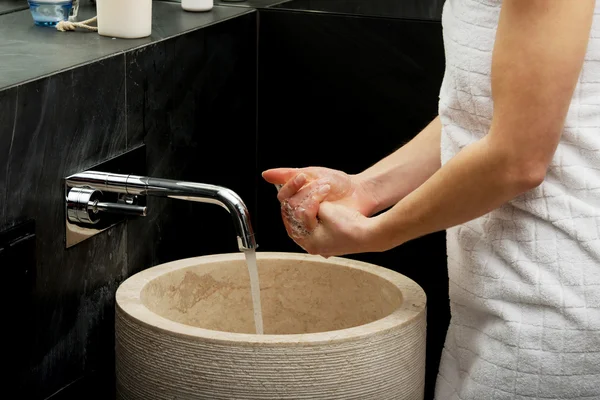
(192, 101)
(343, 92)
(52, 128)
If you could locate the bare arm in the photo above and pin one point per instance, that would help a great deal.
(537, 58)
(395, 176)
(373, 190)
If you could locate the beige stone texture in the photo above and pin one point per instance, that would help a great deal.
(334, 329)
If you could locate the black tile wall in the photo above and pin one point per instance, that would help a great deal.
(8, 103)
(18, 265)
(191, 100)
(58, 126)
(343, 92)
(430, 10)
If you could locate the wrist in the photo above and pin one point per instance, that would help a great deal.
(384, 232)
(366, 194)
(375, 235)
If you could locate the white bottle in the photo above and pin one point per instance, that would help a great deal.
(127, 19)
(197, 5)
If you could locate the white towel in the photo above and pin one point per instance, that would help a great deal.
(525, 278)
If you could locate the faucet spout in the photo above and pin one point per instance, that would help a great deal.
(189, 191)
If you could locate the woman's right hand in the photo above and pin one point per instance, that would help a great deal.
(304, 189)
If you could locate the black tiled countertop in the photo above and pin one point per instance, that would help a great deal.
(245, 3)
(430, 10)
(251, 3)
(28, 52)
(7, 6)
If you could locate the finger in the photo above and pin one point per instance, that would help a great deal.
(309, 189)
(292, 187)
(342, 217)
(299, 217)
(280, 176)
(335, 213)
(309, 208)
(326, 210)
(294, 227)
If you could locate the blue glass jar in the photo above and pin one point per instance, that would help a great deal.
(50, 12)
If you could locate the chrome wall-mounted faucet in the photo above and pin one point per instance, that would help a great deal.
(86, 207)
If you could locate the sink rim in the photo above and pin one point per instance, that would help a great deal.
(128, 301)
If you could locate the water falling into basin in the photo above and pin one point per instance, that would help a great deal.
(255, 288)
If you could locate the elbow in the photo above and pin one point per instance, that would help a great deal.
(519, 169)
(533, 178)
(523, 177)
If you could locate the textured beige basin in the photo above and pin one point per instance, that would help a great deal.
(334, 329)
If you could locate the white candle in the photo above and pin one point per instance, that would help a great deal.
(197, 5)
(128, 19)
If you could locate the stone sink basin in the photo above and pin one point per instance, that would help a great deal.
(334, 329)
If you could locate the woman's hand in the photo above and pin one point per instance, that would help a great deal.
(304, 189)
(341, 230)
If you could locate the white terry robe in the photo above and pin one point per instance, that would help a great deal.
(525, 278)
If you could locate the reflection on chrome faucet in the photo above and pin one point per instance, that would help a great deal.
(85, 207)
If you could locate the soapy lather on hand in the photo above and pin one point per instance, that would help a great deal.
(317, 203)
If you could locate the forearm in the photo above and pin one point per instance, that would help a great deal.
(538, 53)
(403, 171)
(477, 180)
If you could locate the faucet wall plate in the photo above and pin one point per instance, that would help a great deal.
(83, 205)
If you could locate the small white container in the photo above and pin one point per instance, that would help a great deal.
(127, 19)
(197, 5)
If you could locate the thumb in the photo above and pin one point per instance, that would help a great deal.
(337, 213)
